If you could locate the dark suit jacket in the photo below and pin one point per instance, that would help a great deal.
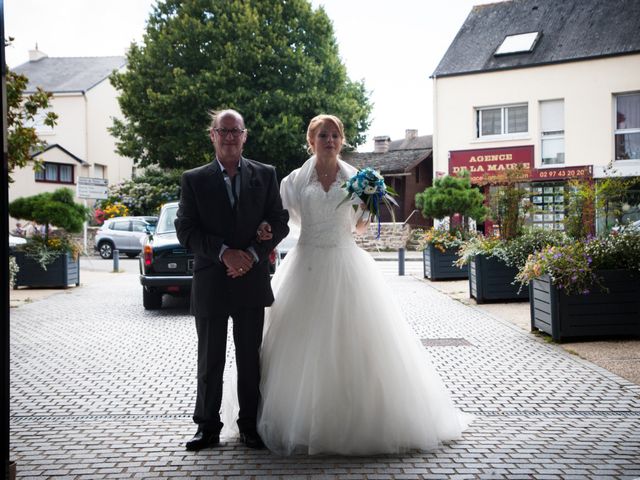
(206, 221)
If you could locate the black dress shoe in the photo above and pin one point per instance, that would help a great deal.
(252, 440)
(203, 439)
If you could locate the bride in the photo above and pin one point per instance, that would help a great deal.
(342, 371)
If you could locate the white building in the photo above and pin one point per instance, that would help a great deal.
(80, 145)
(553, 85)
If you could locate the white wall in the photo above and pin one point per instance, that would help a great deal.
(24, 178)
(81, 129)
(587, 87)
(102, 107)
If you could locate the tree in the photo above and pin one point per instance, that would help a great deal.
(22, 110)
(506, 200)
(450, 195)
(614, 195)
(56, 208)
(276, 62)
(580, 211)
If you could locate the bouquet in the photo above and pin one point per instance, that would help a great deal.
(368, 186)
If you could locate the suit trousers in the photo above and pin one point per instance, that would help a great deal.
(212, 348)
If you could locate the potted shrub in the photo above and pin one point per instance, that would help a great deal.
(452, 198)
(586, 289)
(491, 270)
(440, 253)
(50, 258)
(494, 263)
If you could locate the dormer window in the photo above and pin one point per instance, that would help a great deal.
(520, 43)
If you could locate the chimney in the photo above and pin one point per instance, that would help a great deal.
(381, 144)
(410, 134)
(35, 55)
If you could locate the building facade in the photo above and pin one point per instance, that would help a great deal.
(80, 145)
(406, 166)
(550, 86)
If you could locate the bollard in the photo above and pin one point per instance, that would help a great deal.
(116, 260)
(401, 262)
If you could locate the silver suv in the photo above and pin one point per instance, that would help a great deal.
(124, 234)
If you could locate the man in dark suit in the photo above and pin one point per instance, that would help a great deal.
(222, 206)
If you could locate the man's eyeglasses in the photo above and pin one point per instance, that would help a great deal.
(236, 132)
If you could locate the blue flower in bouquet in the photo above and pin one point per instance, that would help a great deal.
(368, 186)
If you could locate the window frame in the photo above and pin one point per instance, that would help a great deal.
(622, 131)
(57, 166)
(504, 122)
(553, 135)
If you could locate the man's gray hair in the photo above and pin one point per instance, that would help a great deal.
(215, 114)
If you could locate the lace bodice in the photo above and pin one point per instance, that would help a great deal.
(322, 224)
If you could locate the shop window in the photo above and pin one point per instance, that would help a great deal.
(506, 120)
(55, 173)
(627, 133)
(547, 205)
(552, 132)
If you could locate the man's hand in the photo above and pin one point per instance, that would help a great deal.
(264, 232)
(238, 262)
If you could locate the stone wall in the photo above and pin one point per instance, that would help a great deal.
(392, 237)
(91, 239)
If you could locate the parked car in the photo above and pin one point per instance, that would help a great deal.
(14, 241)
(166, 267)
(124, 234)
(635, 226)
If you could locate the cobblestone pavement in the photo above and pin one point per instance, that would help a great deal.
(102, 389)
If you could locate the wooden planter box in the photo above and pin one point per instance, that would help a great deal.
(597, 314)
(490, 279)
(62, 272)
(439, 266)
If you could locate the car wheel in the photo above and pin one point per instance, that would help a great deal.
(151, 300)
(132, 255)
(106, 250)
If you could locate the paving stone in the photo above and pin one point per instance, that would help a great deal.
(102, 388)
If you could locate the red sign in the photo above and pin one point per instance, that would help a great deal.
(487, 162)
(563, 173)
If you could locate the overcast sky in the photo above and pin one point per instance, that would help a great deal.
(394, 46)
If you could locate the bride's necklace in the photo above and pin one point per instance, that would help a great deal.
(326, 174)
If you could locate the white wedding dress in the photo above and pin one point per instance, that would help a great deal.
(342, 371)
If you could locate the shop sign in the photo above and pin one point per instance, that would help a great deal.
(487, 162)
(563, 173)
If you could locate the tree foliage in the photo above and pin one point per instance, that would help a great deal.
(580, 209)
(145, 194)
(450, 195)
(56, 208)
(508, 202)
(22, 140)
(275, 62)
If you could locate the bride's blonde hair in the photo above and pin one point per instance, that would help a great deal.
(316, 122)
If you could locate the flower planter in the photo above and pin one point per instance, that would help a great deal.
(597, 314)
(439, 266)
(490, 279)
(62, 272)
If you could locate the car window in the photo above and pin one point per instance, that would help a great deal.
(165, 222)
(139, 226)
(122, 226)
